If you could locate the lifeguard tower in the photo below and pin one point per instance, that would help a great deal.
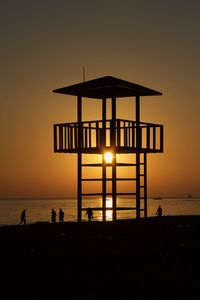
(115, 135)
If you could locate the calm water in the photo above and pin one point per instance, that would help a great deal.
(40, 209)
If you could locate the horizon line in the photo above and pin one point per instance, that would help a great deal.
(75, 197)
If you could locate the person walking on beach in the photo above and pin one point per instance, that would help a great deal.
(53, 216)
(23, 217)
(89, 213)
(159, 211)
(61, 215)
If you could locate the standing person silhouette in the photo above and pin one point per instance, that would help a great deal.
(53, 216)
(61, 215)
(159, 211)
(23, 217)
(89, 213)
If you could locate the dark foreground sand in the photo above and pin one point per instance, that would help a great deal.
(121, 260)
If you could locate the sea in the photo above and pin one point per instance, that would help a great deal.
(39, 210)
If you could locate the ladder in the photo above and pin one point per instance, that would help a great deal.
(138, 187)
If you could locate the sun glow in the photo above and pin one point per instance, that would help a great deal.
(108, 156)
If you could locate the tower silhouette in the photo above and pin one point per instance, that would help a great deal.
(119, 136)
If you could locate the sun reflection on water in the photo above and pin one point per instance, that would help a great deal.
(109, 213)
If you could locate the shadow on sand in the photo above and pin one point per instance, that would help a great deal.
(93, 260)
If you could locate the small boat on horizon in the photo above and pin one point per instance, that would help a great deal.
(189, 196)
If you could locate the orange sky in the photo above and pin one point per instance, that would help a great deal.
(44, 45)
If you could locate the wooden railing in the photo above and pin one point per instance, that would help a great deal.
(98, 135)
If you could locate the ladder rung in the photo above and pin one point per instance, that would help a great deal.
(109, 165)
(92, 165)
(91, 179)
(125, 194)
(93, 194)
(108, 194)
(107, 179)
(124, 164)
(126, 208)
(124, 179)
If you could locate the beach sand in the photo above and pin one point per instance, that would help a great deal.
(127, 259)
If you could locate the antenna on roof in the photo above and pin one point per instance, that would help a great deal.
(83, 73)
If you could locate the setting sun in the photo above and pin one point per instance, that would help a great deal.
(108, 156)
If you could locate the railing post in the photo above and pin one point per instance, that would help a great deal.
(61, 138)
(55, 137)
(148, 137)
(161, 138)
(118, 134)
(154, 137)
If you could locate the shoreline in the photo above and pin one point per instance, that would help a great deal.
(91, 260)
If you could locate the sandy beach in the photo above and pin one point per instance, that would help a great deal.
(126, 259)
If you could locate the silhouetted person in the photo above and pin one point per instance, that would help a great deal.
(23, 217)
(89, 213)
(159, 211)
(53, 216)
(61, 215)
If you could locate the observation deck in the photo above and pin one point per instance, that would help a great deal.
(97, 135)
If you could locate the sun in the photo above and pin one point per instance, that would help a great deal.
(108, 156)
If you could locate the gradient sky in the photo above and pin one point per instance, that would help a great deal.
(44, 45)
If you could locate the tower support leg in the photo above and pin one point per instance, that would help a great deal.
(114, 188)
(138, 147)
(104, 188)
(145, 185)
(79, 208)
(137, 185)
